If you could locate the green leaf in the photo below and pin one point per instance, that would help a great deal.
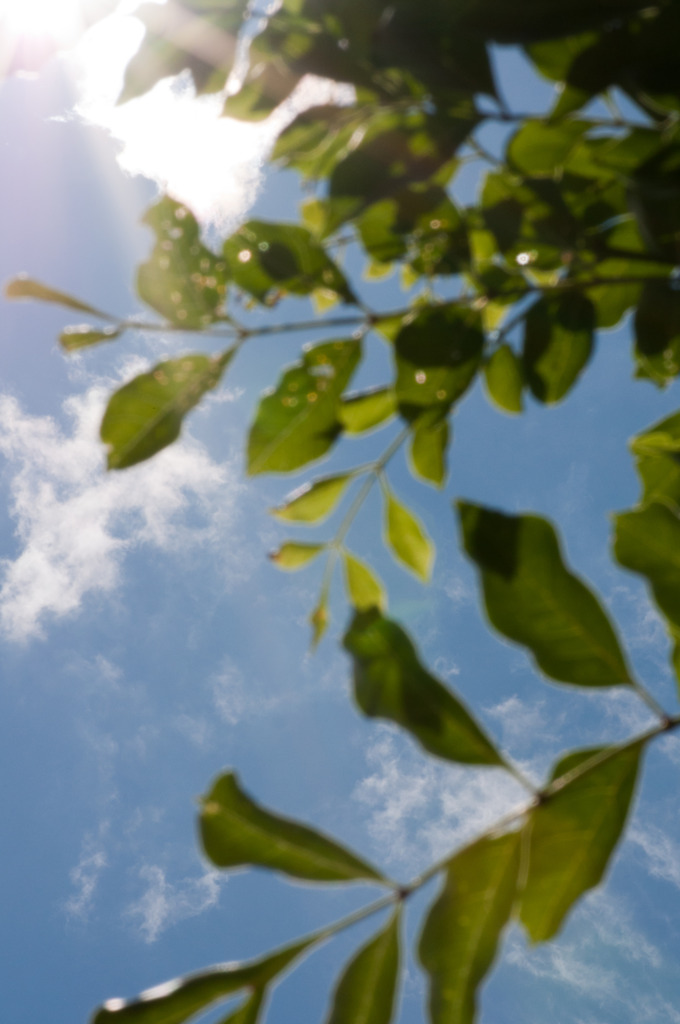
(558, 342)
(429, 445)
(657, 332)
(437, 355)
(539, 148)
(146, 414)
(24, 287)
(182, 280)
(177, 1001)
(83, 335)
(249, 1011)
(533, 599)
(407, 539)
(463, 928)
(298, 422)
(319, 620)
(657, 452)
(237, 831)
(267, 259)
(294, 555)
(647, 541)
(367, 410)
(390, 682)
(313, 502)
(504, 379)
(366, 991)
(572, 835)
(364, 589)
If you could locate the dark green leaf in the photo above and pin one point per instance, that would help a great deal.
(24, 287)
(298, 422)
(572, 835)
(539, 148)
(532, 598)
(407, 539)
(177, 1001)
(364, 589)
(504, 379)
(647, 541)
(437, 355)
(464, 925)
(146, 415)
(182, 280)
(237, 831)
(657, 332)
(367, 410)
(249, 1011)
(558, 342)
(293, 555)
(313, 502)
(391, 683)
(268, 259)
(366, 991)
(82, 336)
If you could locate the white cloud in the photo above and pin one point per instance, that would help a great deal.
(75, 524)
(420, 809)
(164, 903)
(85, 875)
(661, 852)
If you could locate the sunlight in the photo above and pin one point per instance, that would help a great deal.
(59, 19)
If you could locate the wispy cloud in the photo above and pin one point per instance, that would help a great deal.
(662, 853)
(419, 809)
(85, 875)
(75, 524)
(165, 903)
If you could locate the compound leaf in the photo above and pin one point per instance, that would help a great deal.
(366, 991)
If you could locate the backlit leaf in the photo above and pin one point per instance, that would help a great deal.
(647, 541)
(249, 1011)
(83, 335)
(367, 409)
(182, 279)
(313, 502)
(429, 445)
(146, 414)
(657, 451)
(572, 835)
(183, 998)
(364, 589)
(532, 598)
(657, 332)
(294, 555)
(237, 831)
(298, 422)
(504, 379)
(407, 539)
(366, 991)
(24, 287)
(390, 682)
(464, 926)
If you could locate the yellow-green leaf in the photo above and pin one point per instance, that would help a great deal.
(367, 410)
(83, 335)
(366, 991)
(364, 589)
(504, 379)
(407, 539)
(313, 502)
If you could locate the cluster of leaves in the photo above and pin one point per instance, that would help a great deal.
(576, 224)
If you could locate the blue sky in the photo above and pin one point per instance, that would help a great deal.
(146, 643)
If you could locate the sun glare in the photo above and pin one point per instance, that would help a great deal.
(59, 19)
